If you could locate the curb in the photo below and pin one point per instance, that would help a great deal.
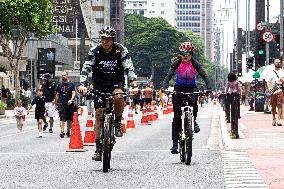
(226, 142)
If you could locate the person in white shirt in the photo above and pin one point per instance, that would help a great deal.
(274, 76)
(19, 113)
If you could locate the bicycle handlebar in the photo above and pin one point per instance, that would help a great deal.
(96, 92)
(193, 93)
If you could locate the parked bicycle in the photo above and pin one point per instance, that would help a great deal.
(187, 126)
(107, 128)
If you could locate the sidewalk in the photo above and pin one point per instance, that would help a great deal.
(264, 144)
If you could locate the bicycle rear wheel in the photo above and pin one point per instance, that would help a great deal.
(189, 138)
(106, 160)
(182, 150)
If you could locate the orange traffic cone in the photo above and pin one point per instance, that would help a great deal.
(90, 134)
(144, 119)
(130, 121)
(170, 107)
(153, 112)
(123, 125)
(149, 114)
(76, 143)
(165, 109)
(156, 112)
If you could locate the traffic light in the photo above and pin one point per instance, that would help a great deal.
(260, 51)
(249, 64)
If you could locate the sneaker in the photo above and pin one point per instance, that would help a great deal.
(136, 112)
(196, 127)
(174, 149)
(118, 130)
(62, 134)
(45, 126)
(279, 123)
(68, 134)
(97, 156)
(50, 130)
(273, 122)
(39, 134)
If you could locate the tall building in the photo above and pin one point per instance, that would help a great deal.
(196, 16)
(151, 8)
(188, 15)
(207, 27)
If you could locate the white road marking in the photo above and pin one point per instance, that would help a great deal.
(19, 133)
(239, 172)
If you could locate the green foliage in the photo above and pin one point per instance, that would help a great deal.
(29, 16)
(2, 106)
(25, 100)
(153, 42)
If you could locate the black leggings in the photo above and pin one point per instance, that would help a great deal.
(177, 104)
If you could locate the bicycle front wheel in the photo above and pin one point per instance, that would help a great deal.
(189, 138)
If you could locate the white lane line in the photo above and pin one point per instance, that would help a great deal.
(19, 133)
(89, 151)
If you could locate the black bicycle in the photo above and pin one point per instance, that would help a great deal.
(107, 128)
(187, 127)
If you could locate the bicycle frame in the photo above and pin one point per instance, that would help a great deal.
(187, 127)
(107, 129)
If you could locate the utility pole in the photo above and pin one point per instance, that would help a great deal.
(267, 29)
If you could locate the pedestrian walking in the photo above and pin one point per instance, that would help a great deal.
(274, 77)
(148, 92)
(233, 85)
(136, 95)
(65, 94)
(89, 99)
(48, 88)
(39, 101)
(19, 113)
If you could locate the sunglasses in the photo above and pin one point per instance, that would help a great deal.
(186, 53)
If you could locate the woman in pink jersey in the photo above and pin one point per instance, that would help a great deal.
(186, 68)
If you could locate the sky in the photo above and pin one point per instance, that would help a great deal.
(274, 11)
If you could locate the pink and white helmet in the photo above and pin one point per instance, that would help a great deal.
(186, 47)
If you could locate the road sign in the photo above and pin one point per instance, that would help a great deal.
(259, 27)
(267, 36)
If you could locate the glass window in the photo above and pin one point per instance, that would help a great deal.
(162, 12)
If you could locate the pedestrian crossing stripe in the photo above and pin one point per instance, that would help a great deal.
(239, 172)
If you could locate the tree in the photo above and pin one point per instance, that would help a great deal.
(19, 19)
(153, 42)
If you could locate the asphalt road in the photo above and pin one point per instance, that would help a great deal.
(141, 159)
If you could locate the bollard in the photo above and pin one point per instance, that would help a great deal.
(228, 107)
(235, 106)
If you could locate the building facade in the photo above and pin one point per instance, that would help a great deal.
(151, 8)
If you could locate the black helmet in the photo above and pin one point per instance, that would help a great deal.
(108, 32)
(47, 76)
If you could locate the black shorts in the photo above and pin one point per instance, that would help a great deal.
(66, 112)
(39, 114)
(136, 100)
(148, 101)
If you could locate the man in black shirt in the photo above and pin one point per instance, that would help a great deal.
(65, 94)
(109, 62)
(48, 88)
